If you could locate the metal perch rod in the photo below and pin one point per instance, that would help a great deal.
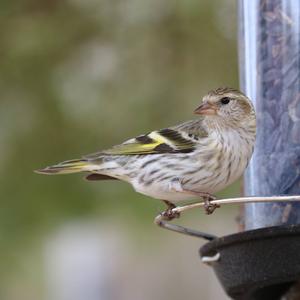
(159, 220)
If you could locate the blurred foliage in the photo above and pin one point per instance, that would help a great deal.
(80, 75)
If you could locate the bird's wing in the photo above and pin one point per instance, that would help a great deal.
(169, 140)
(193, 128)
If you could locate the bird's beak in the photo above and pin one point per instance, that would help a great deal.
(206, 109)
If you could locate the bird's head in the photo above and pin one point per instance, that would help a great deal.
(226, 105)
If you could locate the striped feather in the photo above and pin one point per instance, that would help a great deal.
(156, 142)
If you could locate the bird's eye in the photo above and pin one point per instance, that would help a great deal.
(225, 100)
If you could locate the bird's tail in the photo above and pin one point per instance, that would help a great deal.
(67, 167)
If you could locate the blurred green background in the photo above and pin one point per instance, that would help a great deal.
(80, 75)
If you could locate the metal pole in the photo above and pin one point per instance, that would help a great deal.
(269, 36)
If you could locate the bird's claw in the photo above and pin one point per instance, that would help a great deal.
(169, 214)
(208, 206)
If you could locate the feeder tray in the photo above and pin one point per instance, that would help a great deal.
(259, 264)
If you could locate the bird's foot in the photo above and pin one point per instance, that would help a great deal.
(208, 206)
(207, 198)
(169, 214)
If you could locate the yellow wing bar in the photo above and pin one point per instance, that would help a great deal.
(162, 141)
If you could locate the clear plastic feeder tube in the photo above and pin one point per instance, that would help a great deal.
(269, 54)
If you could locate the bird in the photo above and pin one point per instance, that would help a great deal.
(196, 158)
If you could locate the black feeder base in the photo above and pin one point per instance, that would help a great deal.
(259, 264)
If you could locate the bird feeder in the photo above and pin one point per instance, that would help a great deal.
(263, 262)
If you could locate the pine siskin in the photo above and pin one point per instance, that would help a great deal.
(196, 158)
